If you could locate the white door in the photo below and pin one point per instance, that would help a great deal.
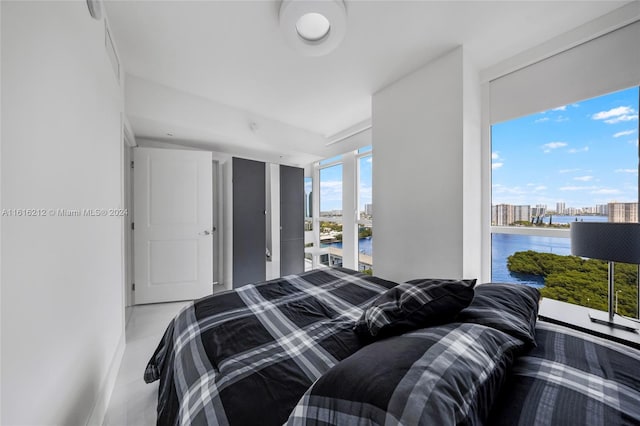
(173, 225)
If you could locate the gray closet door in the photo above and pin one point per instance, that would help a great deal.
(249, 226)
(291, 220)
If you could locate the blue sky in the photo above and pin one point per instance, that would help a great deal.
(582, 154)
(331, 185)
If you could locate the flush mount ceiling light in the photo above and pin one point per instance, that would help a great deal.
(313, 27)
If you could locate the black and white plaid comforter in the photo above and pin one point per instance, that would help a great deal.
(572, 379)
(443, 375)
(246, 357)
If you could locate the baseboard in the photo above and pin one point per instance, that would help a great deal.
(102, 401)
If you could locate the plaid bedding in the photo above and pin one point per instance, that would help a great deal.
(444, 375)
(415, 304)
(572, 378)
(245, 357)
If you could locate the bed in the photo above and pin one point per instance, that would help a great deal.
(337, 347)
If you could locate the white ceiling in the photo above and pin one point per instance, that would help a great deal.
(232, 54)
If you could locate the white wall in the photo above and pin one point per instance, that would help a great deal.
(424, 138)
(62, 317)
(472, 158)
(226, 129)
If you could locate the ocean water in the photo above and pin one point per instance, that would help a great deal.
(365, 245)
(504, 245)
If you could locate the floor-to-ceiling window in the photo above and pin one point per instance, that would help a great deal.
(352, 170)
(308, 221)
(575, 162)
(365, 209)
(330, 197)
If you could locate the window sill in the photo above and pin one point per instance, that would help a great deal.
(577, 317)
(531, 230)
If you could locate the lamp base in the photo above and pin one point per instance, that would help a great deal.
(603, 318)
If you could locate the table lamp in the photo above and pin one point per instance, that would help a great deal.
(613, 242)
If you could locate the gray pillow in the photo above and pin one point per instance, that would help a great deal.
(510, 308)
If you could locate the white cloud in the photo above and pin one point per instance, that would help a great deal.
(540, 188)
(541, 120)
(494, 157)
(616, 115)
(624, 133)
(583, 178)
(578, 188)
(635, 171)
(606, 191)
(576, 150)
(561, 119)
(331, 191)
(622, 118)
(614, 112)
(562, 108)
(514, 190)
(365, 193)
(553, 145)
(568, 170)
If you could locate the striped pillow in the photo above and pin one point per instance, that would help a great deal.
(414, 304)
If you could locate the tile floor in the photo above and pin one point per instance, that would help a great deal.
(133, 401)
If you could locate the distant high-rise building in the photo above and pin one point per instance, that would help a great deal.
(602, 209)
(538, 210)
(502, 215)
(368, 209)
(521, 213)
(623, 212)
(561, 207)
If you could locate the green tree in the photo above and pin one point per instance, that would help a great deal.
(364, 232)
(580, 281)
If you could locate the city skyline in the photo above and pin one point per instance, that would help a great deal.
(556, 209)
(509, 214)
(582, 154)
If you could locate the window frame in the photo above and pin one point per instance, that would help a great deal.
(488, 230)
(319, 166)
(359, 156)
(350, 219)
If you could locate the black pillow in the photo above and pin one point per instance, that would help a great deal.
(444, 375)
(510, 308)
(414, 304)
